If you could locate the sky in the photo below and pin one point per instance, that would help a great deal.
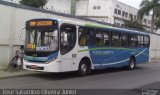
(133, 3)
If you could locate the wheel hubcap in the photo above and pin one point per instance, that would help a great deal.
(84, 67)
(132, 64)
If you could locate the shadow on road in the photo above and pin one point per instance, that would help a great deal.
(70, 75)
(155, 85)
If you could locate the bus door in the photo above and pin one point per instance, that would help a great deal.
(67, 46)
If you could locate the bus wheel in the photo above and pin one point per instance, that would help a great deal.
(132, 64)
(84, 68)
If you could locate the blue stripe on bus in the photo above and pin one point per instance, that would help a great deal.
(116, 57)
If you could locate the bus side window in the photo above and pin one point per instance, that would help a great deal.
(83, 36)
(99, 37)
(124, 39)
(133, 40)
(115, 39)
(140, 41)
(106, 38)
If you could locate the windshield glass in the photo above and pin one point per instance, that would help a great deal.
(42, 40)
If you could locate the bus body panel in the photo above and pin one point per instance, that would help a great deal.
(117, 57)
(84, 53)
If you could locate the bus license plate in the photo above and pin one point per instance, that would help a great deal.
(33, 66)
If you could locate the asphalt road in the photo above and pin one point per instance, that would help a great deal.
(145, 76)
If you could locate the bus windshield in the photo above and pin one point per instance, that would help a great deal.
(42, 40)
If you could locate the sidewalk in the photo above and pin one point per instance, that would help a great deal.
(154, 61)
(20, 73)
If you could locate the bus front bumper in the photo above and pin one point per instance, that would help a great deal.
(50, 67)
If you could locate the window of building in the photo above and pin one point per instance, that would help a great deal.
(145, 21)
(94, 7)
(115, 11)
(122, 25)
(131, 16)
(123, 13)
(119, 12)
(98, 7)
(118, 24)
(126, 14)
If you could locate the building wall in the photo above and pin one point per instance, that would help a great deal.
(61, 6)
(99, 10)
(154, 46)
(82, 7)
(106, 8)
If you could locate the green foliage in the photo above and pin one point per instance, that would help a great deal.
(157, 22)
(148, 6)
(34, 3)
(133, 24)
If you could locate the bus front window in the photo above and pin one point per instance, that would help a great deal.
(42, 40)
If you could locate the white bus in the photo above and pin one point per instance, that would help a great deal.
(54, 45)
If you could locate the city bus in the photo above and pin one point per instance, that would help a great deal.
(56, 45)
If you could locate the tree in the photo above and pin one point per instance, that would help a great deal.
(34, 3)
(148, 6)
(157, 22)
(133, 24)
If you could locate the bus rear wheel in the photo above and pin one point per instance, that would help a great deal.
(84, 68)
(132, 64)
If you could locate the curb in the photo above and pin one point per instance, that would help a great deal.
(155, 61)
(19, 75)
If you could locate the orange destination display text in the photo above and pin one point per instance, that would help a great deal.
(41, 23)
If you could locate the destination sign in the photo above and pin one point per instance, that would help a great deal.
(40, 23)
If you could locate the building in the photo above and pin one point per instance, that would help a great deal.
(110, 11)
(61, 6)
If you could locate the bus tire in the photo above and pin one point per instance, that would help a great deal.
(132, 63)
(84, 68)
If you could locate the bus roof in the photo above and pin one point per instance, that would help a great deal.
(117, 29)
(97, 25)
